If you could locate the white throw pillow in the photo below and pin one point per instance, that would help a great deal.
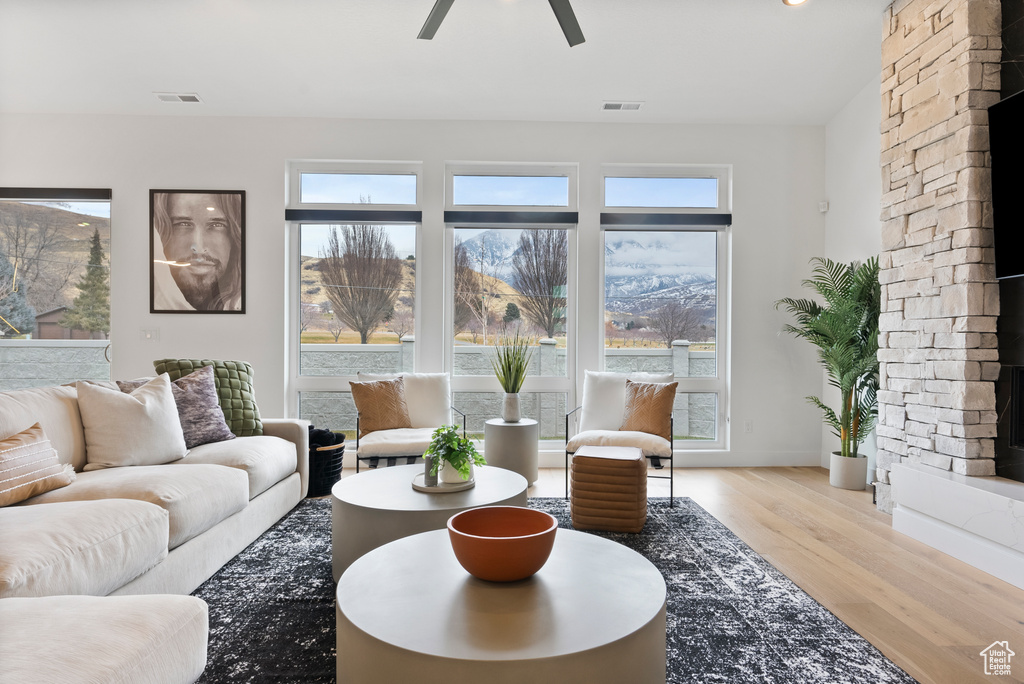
(428, 396)
(141, 428)
(604, 397)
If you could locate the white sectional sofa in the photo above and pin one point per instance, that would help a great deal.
(137, 529)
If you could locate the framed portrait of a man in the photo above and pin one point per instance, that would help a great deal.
(197, 249)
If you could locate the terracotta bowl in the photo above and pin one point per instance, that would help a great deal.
(502, 543)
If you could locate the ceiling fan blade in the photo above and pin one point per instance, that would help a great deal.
(567, 20)
(434, 19)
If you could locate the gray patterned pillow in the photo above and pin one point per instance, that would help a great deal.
(195, 395)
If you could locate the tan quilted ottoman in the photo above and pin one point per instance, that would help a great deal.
(609, 489)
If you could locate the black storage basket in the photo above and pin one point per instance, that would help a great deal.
(324, 468)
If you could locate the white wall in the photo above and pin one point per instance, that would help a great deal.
(853, 187)
(779, 178)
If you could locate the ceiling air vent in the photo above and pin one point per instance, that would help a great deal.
(621, 106)
(177, 97)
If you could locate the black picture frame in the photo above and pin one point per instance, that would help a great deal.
(202, 230)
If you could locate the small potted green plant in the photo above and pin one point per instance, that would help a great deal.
(452, 457)
(511, 358)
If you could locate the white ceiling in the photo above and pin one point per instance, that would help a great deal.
(726, 61)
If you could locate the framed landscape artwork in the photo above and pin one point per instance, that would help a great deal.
(197, 251)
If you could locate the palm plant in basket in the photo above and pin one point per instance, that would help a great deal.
(512, 356)
(845, 331)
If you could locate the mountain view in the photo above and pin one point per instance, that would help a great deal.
(658, 285)
(640, 276)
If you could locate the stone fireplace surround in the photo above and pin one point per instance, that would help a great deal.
(940, 299)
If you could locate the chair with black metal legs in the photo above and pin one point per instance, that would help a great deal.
(428, 405)
(607, 418)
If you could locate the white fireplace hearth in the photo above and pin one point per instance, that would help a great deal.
(979, 520)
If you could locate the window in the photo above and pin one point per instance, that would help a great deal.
(357, 298)
(54, 286)
(357, 188)
(661, 292)
(517, 191)
(508, 280)
(511, 187)
(353, 232)
(511, 269)
(664, 284)
(504, 260)
(661, 192)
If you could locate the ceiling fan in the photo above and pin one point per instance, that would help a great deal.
(562, 9)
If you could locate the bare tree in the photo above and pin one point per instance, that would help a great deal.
(334, 326)
(468, 300)
(539, 273)
(308, 313)
(673, 321)
(402, 323)
(34, 239)
(362, 274)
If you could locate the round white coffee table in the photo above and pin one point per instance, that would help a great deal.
(380, 505)
(513, 446)
(408, 612)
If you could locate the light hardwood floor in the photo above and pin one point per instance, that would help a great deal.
(928, 612)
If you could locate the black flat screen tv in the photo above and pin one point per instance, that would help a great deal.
(1006, 136)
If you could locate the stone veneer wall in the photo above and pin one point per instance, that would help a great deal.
(940, 300)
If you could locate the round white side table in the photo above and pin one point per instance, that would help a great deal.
(594, 614)
(378, 506)
(513, 446)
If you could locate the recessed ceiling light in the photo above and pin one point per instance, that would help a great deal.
(793, 3)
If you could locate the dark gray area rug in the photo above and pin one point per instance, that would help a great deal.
(732, 617)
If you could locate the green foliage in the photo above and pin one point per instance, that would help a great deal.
(447, 445)
(511, 357)
(511, 313)
(91, 309)
(18, 318)
(845, 331)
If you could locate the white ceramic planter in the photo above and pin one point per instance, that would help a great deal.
(848, 473)
(449, 475)
(510, 408)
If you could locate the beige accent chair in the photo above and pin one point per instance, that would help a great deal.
(429, 398)
(597, 422)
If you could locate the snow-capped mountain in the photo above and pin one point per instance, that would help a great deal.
(491, 252)
(640, 276)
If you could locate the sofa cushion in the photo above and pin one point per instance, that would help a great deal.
(196, 497)
(154, 436)
(652, 445)
(56, 410)
(195, 396)
(381, 405)
(29, 466)
(116, 639)
(234, 381)
(604, 397)
(427, 395)
(398, 442)
(265, 460)
(78, 547)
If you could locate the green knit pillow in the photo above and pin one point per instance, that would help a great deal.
(234, 390)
